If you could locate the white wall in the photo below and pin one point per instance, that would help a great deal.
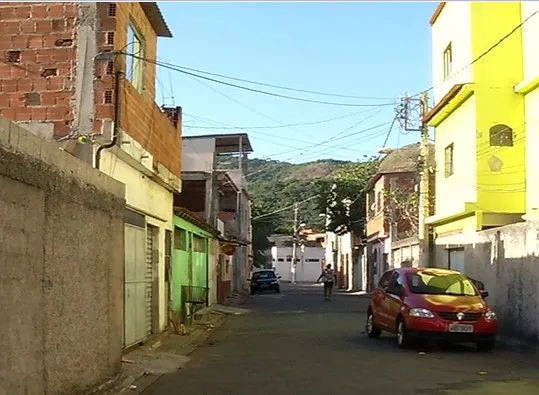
(506, 260)
(198, 155)
(453, 25)
(530, 32)
(149, 197)
(460, 129)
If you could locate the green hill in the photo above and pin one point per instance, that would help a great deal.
(275, 185)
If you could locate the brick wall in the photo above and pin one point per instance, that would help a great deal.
(141, 118)
(38, 42)
(37, 85)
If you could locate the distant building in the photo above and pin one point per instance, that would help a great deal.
(309, 256)
(391, 231)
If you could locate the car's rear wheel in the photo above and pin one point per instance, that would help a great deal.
(404, 339)
(372, 330)
(486, 345)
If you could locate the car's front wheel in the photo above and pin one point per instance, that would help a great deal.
(403, 336)
(278, 289)
(486, 345)
(253, 291)
(371, 328)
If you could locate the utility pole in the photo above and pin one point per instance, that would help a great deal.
(412, 114)
(295, 244)
(424, 211)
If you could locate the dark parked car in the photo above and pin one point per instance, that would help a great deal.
(265, 280)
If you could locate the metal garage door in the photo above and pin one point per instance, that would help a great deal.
(135, 285)
(456, 259)
(149, 278)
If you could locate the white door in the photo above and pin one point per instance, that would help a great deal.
(456, 260)
(135, 328)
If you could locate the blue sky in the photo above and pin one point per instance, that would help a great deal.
(373, 50)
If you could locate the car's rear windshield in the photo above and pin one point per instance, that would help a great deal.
(433, 282)
(263, 275)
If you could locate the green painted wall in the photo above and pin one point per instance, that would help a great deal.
(189, 267)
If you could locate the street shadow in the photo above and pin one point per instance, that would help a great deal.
(388, 344)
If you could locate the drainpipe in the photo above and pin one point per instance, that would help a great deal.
(116, 131)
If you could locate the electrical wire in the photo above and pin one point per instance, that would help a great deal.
(231, 127)
(284, 208)
(277, 86)
(175, 68)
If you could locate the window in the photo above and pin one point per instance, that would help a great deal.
(448, 61)
(379, 204)
(199, 244)
(385, 280)
(371, 203)
(180, 239)
(134, 58)
(501, 136)
(448, 160)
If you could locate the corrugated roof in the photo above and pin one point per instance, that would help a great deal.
(156, 19)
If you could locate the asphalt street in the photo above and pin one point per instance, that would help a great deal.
(297, 343)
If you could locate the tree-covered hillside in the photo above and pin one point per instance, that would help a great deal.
(275, 185)
(328, 187)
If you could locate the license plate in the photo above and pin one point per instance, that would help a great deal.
(264, 286)
(461, 328)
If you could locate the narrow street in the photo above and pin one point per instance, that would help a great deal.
(295, 343)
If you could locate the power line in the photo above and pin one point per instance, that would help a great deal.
(285, 208)
(176, 68)
(278, 86)
(231, 127)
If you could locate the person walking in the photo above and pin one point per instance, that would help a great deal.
(329, 277)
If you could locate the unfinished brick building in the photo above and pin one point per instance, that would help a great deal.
(53, 83)
(82, 75)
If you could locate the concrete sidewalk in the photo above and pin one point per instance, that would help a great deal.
(168, 352)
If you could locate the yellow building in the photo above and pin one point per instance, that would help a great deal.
(479, 115)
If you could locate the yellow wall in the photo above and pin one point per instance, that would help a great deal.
(465, 225)
(453, 191)
(453, 25)
(145, 195)
(492, 178)
(495, 75)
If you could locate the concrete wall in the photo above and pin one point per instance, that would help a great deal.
(506, 260)
(61, 269)
(405, 252)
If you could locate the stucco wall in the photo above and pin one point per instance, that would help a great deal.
(146, 196)
(443, 33)
(506, 260)
(530, 30)
(61, 269)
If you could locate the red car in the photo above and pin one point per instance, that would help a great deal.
(431, 303)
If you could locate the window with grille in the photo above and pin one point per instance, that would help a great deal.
(501, 136)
